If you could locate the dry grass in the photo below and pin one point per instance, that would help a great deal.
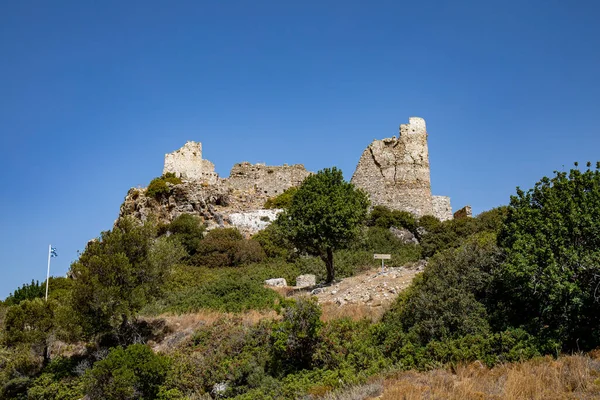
(180, 327)
(569, 377)
(355, 312)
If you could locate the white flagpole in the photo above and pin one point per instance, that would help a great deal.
(48, 273)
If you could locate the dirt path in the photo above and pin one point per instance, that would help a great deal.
(368, 294)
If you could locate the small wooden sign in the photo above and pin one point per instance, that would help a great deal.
(382, 256)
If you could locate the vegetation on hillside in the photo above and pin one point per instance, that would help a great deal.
(511, 284)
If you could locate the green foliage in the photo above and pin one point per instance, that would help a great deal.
(446, 301)
(225, 247)
(284, 200)
(30, 322)
(294, 340)
(48, 387)
(26, 292)
(551, 278)
(428, 223)
(325, 215)
(231, 292)
(188, 229)
(383, 217)
(118, 274)
(452, 233)
(349, 345)
(158, 187)
(132, 373)
(513, 345)
(273, 241)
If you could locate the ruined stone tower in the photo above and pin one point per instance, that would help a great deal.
(187, 163)
(395, 173)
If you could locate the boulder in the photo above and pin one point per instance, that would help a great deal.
(307, 280)
(404, 235)
(278, 282)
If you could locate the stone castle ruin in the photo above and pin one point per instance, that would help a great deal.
(394, 172)
(187, 163)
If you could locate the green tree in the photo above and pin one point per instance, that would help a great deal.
(131, 373)
(326, 214)
(31, 323)
(550, 282)
(26, 292)
(119, 273)
(189, 230)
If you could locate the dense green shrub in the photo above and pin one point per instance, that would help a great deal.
(452, 233)
(294, 340)
(230, 292)
(274, 242)
(447, 300)
(29, 291)
(158, 186)
(120, 273)
(188, 229)
(383, 217)
(284, 200)
(135, 372)
(226, 247)
(550, 281)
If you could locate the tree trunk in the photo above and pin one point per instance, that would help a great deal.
(328, 258)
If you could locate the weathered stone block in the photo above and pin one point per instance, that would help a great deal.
(464, 212)
(277, 282)
(307, 280)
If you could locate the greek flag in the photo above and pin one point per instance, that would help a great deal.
(53, 252)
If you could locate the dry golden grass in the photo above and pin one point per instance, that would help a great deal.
(206, 317)
(569, 377)
(355, 312)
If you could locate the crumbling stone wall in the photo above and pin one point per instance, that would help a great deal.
(442, 209)
(267, 180)
(395, 171)
(187, 163)
(465, 212)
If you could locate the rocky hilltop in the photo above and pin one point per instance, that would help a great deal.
(394, 172)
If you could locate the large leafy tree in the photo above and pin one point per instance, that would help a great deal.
(325, 214)
(119, 273)
(550, 282)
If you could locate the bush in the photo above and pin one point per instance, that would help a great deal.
(550, 281)
(295, 338)
(273, 241)
(229, 292)
(26, 292)
(158, 187)
(132, 373)
(284, 200)
(447, 300)
(225, 247)
(452, 233)
(188, 229)
(383, 217)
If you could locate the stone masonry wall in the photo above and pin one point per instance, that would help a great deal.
(395, 171)
(187, 163)
(264, 179)
(442, 209)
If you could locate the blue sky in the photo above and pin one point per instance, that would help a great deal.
(94, 93)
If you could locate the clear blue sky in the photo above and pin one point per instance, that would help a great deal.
(94, 93)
